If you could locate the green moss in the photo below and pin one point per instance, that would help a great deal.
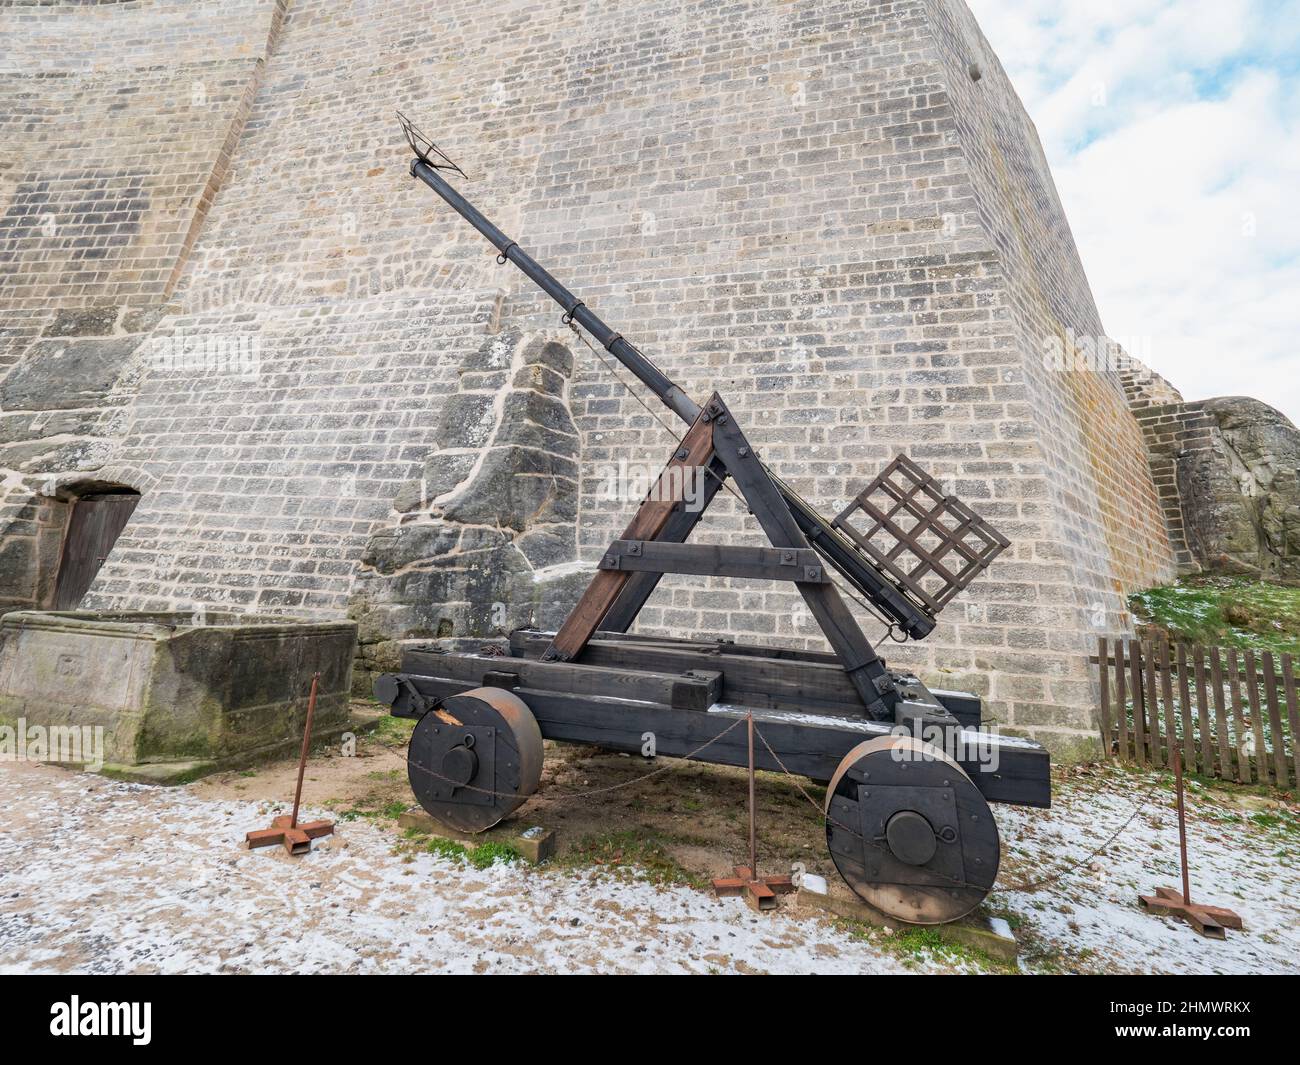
(446, 848)
(918, 944)
(1225, 612)
(392, 731)
(488, 853)
(390, 811)
(631, 852)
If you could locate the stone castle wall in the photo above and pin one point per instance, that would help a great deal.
(809, 206)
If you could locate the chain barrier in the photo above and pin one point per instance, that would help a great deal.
(567, 795)
(890, 629)
(1024, 887)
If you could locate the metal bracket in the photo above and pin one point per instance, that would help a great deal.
(876, 805)
(425, 150)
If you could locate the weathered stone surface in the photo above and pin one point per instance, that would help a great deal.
(1241, 496)
(61, 374)
(93, 321)
(479, 527)
(212, 689)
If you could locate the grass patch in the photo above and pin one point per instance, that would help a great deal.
(479, 857)
(446, 848)
(914, 946)
(392, 731)
(629, 853)
(491, 852)
(389, 811)
(1224, 611)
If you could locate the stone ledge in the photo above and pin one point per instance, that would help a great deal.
(992, 935)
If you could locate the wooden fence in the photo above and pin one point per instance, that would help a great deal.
(1234, 713)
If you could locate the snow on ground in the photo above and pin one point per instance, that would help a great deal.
(98, 876)
(103, 877)
(1091, 916)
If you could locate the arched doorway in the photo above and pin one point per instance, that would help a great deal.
(95, 521)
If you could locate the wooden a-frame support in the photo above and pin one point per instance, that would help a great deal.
(631, 568)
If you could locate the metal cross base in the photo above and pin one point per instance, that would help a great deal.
(760, 891)
(1210, 921)
(296, 838)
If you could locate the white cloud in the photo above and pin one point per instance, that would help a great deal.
(1180, 188)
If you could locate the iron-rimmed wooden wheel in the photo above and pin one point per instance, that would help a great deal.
(910, 832)
(475, 758)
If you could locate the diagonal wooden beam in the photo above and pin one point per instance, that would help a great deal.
(641, 585)
(654, 513)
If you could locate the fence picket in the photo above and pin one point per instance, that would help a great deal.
(1167, 694)
(1280, 775)
(1151, 700)
(1243, 735)
(1121, 701)
(1220, 714)
(1185, 706)
(1139, 724)
(1238, 719)
(1292, 715)
(1103, 664)
(1203, 713)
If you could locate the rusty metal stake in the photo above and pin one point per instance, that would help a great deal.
(286, 830)
(1210, 921)
(760, 891)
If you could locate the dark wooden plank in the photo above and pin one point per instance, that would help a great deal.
(1292, 714)
(1203, 712)
(1221, 714)
(695, 450)
(94, 525)
(1139, 702)
(769, 682)
(716, 560)
(1185, 707)
(1167, 694)
(1103, 670)
(694, 689)
(1260, 752)
(814, 750)
(754, 650)
(1281, 775)
(1238, 720)
(1121, 700)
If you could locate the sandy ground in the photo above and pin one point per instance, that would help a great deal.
(99, 876)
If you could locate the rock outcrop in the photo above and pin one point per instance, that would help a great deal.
(1241, 496)
(485, 540)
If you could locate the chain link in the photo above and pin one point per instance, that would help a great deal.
(567, 795)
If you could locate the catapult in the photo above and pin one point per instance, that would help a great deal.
(907, 819)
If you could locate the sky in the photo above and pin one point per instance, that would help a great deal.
(1173, 132)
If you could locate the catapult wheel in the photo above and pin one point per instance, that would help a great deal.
(475, 758)
(910, 832)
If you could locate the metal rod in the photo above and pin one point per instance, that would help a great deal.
(1182, 826)
(753, 834)
(306, 743)
(646, 372)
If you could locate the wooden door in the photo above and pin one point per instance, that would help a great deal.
(93, 528)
